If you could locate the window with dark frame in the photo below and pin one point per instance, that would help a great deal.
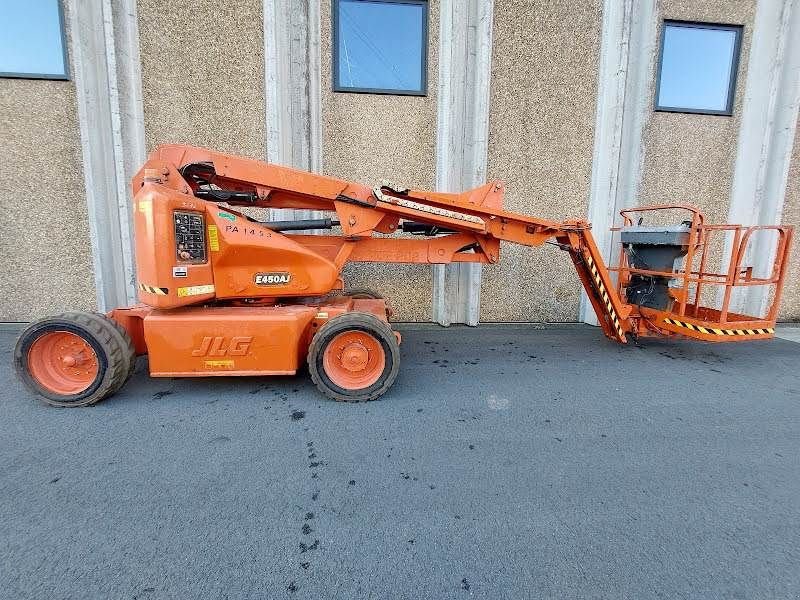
(697, 67)
(380, 46)
(32, 40)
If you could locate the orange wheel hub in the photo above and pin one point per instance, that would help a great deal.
(354, 360)
(63, 363)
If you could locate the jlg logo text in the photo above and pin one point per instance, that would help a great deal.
(217, 346)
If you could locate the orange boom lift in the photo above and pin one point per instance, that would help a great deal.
(223, 294)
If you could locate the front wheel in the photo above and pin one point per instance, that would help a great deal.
(74, 359)
(354, 357)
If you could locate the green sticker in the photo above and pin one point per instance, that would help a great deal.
(228, 216)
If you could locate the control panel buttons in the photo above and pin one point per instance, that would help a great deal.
(190, 242)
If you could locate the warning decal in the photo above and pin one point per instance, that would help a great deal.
(213, 238)
(195, 290)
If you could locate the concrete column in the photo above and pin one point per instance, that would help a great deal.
(105, 57)
(465, 51)
(623, 101)
(764, 149)
(292, 79)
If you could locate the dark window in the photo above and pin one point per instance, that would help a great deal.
(697, 71)
(32, 41)
(380, 46)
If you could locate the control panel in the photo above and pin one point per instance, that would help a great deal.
(190, 238)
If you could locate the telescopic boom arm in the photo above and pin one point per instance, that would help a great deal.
(467, 227)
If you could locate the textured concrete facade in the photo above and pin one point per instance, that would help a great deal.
(790, 305)
(687, 157)
(541, 132)
(208, 73)
(203, 74)
(369, 137)
(45, 252)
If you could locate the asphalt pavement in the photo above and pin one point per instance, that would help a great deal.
(506, 462)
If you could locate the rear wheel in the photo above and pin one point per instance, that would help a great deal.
(74, 359)
(354, 357)
(126, 343)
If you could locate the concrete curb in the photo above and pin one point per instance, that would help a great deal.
(784, 331)
(788, 331)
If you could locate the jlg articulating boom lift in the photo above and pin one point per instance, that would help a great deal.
(222, 294)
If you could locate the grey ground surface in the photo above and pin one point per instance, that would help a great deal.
(505, 463)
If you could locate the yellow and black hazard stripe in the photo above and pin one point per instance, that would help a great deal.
(158, 291)
(601, 289)
(717, 331)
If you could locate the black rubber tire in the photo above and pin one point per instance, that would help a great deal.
(356, 321)
(129, 352)
(113, 348)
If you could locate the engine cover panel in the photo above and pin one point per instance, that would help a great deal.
(215, 341)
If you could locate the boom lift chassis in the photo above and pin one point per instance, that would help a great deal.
(223, 294)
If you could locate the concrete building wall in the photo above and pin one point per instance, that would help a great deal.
(541, 133)
(45, 250)
(369, 137)
(790, 305)
(203, 82)
(688, 157)
(203, 74)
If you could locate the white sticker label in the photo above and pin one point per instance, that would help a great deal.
(180, 271)
(272, 278)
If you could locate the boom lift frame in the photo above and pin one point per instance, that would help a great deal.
(223, 294)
